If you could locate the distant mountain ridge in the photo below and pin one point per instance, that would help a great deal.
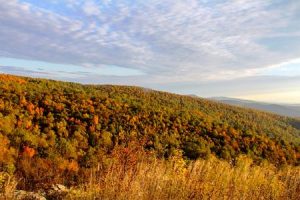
(291, 110)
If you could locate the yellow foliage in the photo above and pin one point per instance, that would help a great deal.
(28, 124)
(6, 152)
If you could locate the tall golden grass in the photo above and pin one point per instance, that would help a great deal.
(202, 179)
(8, 185)
(150, 178)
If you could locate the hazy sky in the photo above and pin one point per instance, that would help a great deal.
(239, 48)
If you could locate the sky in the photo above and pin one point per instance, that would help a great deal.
(246, 49)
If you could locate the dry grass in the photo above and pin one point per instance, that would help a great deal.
(149, 178)
(8, 185)
(203, 179)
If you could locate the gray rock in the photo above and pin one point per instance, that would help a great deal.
(57, 192)
(24, 195)
(60, 188)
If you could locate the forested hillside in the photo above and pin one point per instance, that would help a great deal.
(51, 129)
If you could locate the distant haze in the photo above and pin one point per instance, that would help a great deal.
(281, 109)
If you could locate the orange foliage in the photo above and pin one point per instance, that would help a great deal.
(96, 119)
(30, 108)
(4, 150)
(92, 128)
(73, 166)
(59, 107)
(28, 152)
(8, 78)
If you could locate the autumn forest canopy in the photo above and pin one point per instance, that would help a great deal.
(50, 127)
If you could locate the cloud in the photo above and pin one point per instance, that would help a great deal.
(23, 71)
(90, 8)
(169, 41)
